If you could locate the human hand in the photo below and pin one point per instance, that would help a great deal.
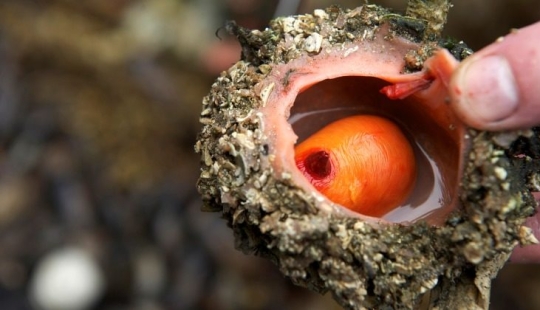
(498, 88)
(529, 253)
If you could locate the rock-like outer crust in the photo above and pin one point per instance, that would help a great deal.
(363, 264)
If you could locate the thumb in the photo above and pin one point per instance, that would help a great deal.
(498, 87)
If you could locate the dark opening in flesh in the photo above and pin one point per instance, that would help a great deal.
(437, 151)
(318, 165)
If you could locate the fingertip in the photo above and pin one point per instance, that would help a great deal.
(484, 91)
(497, 87)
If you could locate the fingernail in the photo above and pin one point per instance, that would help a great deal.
(488, 88)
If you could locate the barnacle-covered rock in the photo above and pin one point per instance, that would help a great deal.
(472, 191)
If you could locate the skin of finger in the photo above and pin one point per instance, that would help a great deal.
(529, 253)
(521, 48)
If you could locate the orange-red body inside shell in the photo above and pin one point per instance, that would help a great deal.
(364, 163)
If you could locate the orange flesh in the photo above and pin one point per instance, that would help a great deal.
(364, 163)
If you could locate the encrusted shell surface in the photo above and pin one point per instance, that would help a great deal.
(364, 264)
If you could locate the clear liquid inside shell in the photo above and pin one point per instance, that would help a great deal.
(437, 154)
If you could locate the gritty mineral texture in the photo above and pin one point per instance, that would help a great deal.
(364, 265)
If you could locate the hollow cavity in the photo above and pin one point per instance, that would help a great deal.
(437, 153)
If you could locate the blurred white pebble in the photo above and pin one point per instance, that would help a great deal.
(67, 279)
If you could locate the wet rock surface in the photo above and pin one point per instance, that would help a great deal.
(97, 126)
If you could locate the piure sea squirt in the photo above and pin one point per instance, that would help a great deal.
(332, 149)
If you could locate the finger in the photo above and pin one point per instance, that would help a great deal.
(498, 87)
(529, 253)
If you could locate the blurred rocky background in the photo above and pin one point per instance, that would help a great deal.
(99, 103)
